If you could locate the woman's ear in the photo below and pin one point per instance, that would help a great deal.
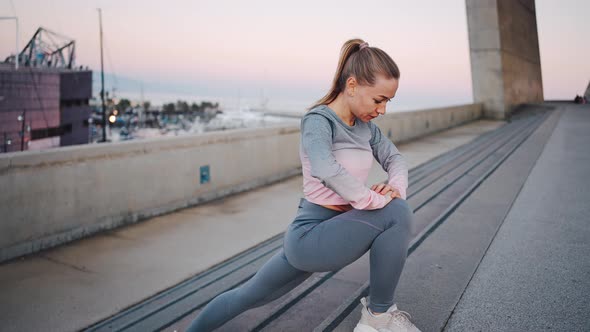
(351, 85)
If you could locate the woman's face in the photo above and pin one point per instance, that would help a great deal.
(368, 102)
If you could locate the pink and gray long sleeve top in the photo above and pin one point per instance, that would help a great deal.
(336, 159)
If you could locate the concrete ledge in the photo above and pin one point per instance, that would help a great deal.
(405, 126)
(56, 196)
(60, 195)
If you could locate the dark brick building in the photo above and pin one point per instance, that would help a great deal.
(49, 105)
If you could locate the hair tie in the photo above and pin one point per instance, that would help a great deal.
(363, 45)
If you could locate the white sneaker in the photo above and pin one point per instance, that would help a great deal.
(393, 320)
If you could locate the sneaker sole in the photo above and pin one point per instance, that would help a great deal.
(364, 328)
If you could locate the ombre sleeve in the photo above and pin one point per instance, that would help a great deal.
(387, 154)
(316, 140)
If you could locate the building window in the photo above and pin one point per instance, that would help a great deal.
(51, 132)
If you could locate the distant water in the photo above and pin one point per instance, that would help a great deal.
(275, 105)
(226, 103)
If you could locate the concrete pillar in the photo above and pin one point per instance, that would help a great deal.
(504, 50)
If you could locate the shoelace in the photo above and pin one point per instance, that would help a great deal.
(403, 318)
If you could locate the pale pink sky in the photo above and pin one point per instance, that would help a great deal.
(290, 49)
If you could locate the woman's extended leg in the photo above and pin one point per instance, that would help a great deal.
(334, 243)
(275, 278)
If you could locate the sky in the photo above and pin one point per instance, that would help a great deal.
(288, 51)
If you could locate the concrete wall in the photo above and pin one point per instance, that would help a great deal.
(55, 196)
(405, 126)
(504, 50)
(521, 61)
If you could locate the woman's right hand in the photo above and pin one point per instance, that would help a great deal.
(391, 195)
(388, 198)
(386, 190)
(394, 193)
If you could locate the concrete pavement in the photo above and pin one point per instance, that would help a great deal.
(536, 274)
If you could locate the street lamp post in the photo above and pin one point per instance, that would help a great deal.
(21, 119)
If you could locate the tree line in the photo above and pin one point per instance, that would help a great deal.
(179, 106)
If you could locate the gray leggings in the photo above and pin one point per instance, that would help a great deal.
(320, 240)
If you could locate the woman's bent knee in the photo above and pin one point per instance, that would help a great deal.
(400, 213)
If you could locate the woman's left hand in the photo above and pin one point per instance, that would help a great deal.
(384, 189)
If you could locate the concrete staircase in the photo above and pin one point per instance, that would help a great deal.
(329, 301)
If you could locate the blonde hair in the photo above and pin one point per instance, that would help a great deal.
(364, 63)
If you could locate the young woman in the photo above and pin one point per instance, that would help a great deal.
(340, 218)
